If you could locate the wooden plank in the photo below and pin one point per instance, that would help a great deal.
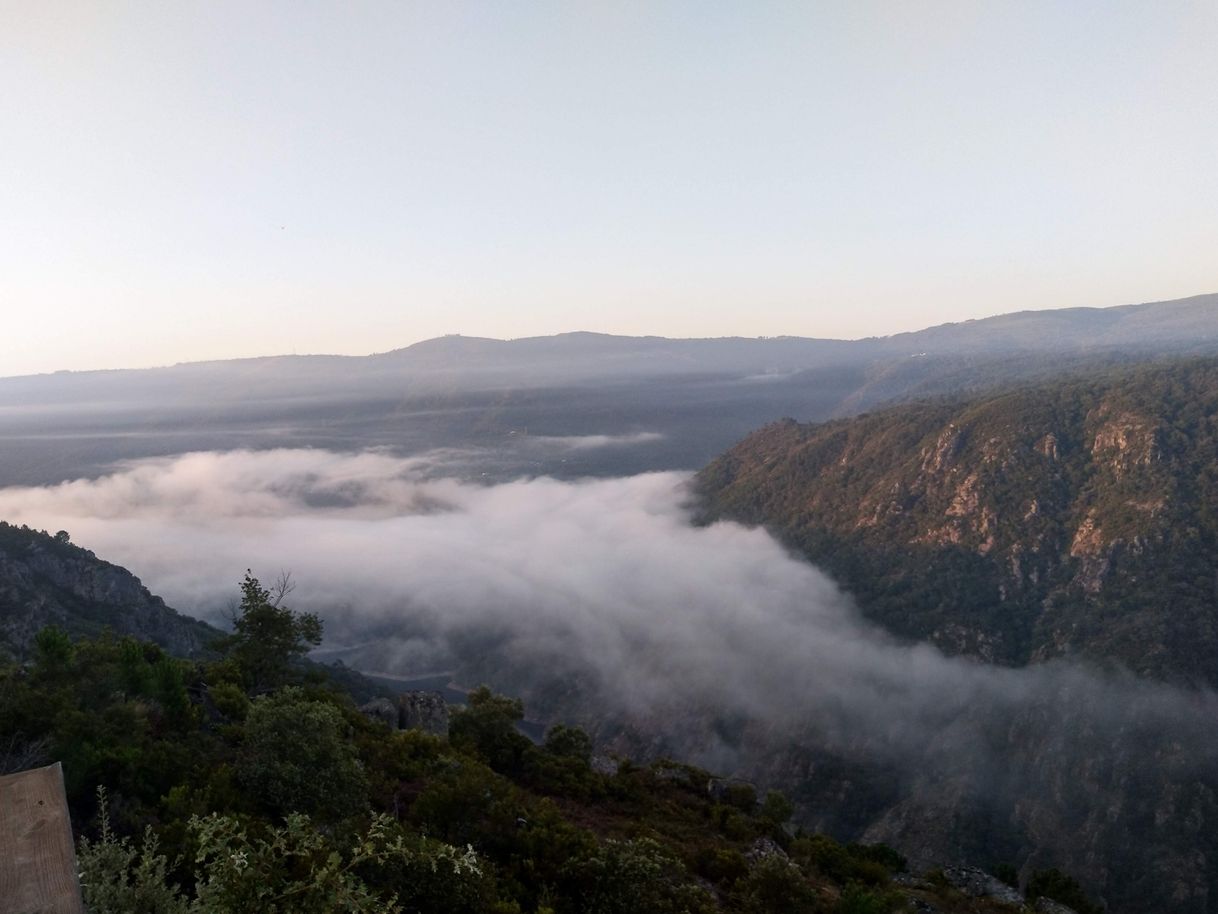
(37, 858)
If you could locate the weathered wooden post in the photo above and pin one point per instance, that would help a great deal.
(37, 859)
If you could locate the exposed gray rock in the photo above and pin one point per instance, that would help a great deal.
(1048, 906)
(382, 709)
(415, 710)
(45, 580)
(605, 764)
(764, 848)
(423, 710)
(979, 884)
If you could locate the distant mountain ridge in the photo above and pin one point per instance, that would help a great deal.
(1187, 322)
(1192, 320)
(682, 401)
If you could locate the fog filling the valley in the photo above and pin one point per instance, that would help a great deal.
(606, 581)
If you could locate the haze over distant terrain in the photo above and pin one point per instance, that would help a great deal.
(198, 182)
(572, 405)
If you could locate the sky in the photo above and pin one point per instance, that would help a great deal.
(196, 180)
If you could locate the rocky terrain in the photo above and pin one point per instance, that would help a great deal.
(1077, 518)
(45, 580)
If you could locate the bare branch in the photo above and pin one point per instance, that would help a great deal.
(282, 587)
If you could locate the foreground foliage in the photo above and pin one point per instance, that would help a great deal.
(246, 799)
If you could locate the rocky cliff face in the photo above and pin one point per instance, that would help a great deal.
(1078, 518)
(414, 710)
(45, 580)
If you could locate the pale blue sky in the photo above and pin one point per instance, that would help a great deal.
(183, 180)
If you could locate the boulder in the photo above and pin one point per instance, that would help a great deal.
(979, 884)
(382, 709)
(1049, 906)
(605, 764)
(423, 710)
(763, 848)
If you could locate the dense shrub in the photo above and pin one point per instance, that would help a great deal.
(297, 757)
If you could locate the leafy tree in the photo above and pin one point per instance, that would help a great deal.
(52, 648)
(297, 757)
(569, 742)
(488, 727)
(267, 635)
(776, 810)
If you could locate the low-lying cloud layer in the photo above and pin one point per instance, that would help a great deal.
(599, 599)
(606, 579)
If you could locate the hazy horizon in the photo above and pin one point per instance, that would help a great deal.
(567, 332)
(195, 183)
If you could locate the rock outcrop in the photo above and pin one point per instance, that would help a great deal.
(1079, 518)
(977, 883)
(423, 710)
(45, 580)
(382, 709)
(414, 710)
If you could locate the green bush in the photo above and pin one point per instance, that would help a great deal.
(630, 877)
(721, 865)
(870, 864)
(297, 757)
(776, 810)
(52, 648)
(776, 886)
(859, 900)
(230, 700)
(115, 878)
(569, 742)
(487, 727)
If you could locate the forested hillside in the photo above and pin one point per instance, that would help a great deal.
(1074, 518)
(46, 580)
(244, 786)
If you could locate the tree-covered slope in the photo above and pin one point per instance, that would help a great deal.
(292, 800)
(46, 580)
(1078, 517)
